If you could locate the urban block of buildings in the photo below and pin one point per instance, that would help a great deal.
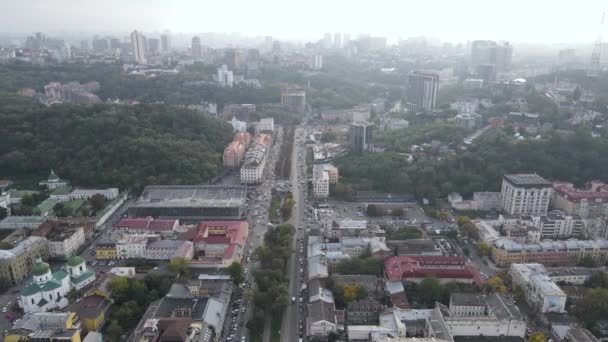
(148, 225)
(294, 99)
(46, 326)
(540, 290)
(16, 263)
(355, 114)
(323, 176)
(48, 290)
(421, 91)
(242, 111)
(225, 76)
(525, 194)
(16, 222)
(254, 163)
(552, 225)
(360, 134)
(72, 92)
(218, 243)
(266, 125)
(444, 268)
(505, 252)
(64, 240)
(191, 203)
(590, 202)
(234, 153)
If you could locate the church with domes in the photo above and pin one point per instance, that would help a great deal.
(48, 290)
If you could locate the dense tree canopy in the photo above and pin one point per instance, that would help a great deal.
(573, 157)
(105, 145)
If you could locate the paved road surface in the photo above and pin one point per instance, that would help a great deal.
(258, 208)
(291, 320)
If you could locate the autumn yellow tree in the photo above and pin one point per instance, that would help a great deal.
(538, 336)
(484, 248)
(497, 285)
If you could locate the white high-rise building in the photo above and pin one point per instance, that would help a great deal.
(322, 176)
(525, 194)
(197, 49)
(165, 42)
(225, 78)
(337, 40)
(139, 47)
(316, 62)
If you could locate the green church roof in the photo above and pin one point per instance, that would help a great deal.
(53, 177)
(40, 268)
(75, 260)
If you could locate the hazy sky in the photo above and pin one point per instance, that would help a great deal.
(534, 21)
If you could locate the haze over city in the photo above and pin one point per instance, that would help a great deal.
(520, 21)
(311, 171)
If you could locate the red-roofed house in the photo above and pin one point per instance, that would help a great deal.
(147, 225)
(218, 243)
(444, 268)
(589, 202)
(264, 140)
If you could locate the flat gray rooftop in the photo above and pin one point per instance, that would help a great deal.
(160, 196)
(527, 179)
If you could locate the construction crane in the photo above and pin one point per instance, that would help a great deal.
(596, 55)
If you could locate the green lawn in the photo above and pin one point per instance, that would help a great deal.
(74, 205)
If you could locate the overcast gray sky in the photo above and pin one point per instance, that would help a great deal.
(535, 21)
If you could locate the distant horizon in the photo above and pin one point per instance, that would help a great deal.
(522, 22)
(435, 41)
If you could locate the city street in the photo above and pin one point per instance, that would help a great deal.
(258, 207)
(293, 316)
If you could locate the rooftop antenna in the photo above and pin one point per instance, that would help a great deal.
(596, 55)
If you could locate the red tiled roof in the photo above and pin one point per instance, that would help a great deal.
(159, 225)
(403, 267)
(233, 233)
(217, 239)
(229, 252)
(573, 194)
(147, 223)
(137, 223)
(264, 139)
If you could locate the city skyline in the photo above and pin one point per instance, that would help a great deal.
(541, 22)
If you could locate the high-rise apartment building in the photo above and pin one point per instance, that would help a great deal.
(422, 90)
(488, 52)
(525, 194)
(316, 62)
(337, 40)
(153, 45)
(139, 47)
(360, 136)
(345, 39)
(100, 44)
(327, 41)
(165, 42)
(225, 77)
(294, 98)
(115, 43)
(197, 49)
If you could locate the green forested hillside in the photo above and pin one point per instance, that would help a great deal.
(575, 157)
(105, 145)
